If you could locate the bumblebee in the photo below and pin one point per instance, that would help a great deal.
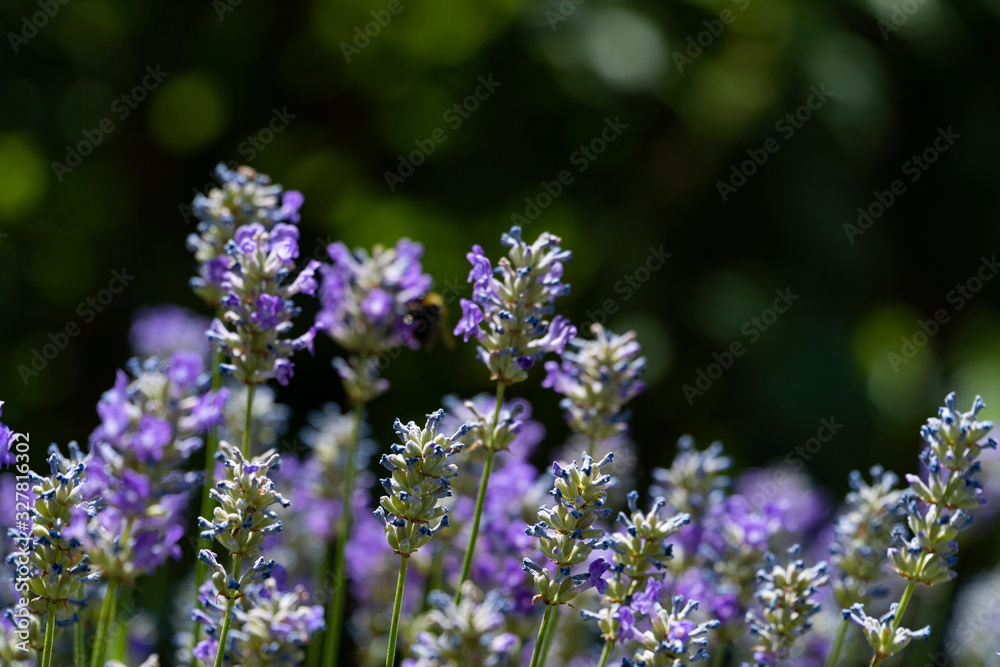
(429, 321)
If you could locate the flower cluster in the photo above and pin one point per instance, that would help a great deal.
(257, 308)
(162, 330)
(939, 507)
(242, 519)
(149, 427)
(269, 627)
(695, 480)
(598, 379)
(937, 510)
(511, 303)
(567, 533)
(673, 639)
(366, 299)
(469, 633)
(787, 603)
(244, 197)
(7, 457)
(862, 534)
(57, 565)
(639, 555)
(420, 479)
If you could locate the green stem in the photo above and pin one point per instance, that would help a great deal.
(605, 654)
(390, 655)
(903, 602)
(251, 388)
(79, 660)
(338, 593)
(211, 446)
(720, 655)
(100, 651)
(481, 496)
(542, 629)
(315, 650)
(838, 644)
(226, 624)
(550, 634)
(50, 635)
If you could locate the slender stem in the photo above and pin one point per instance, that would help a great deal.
(315, 650)
(481, 496)
(251, 388)
(338, 593)
(390, 656)
(838, 644)
(224, 635)
(79, 660)
(550, 634)
(50, 635)
(605, 654)
(903, 602)
(720, 656)
(100, 651)
(211, 446)
(542, 629)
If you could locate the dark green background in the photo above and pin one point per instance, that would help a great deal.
(655, 185)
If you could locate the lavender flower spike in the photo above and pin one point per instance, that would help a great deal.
(258, 310)
(598, 379)
(365, 302)
(511, 304)
(419, 481)
(244, 197)
(672, 639)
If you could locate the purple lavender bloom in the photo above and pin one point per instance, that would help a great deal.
(787, 496)
(643, 601)
(162, 330)
(511, 303)
(149, 427)
(596, 570)
(252, 332)
(244, 197)
(7, 456)
(365, 298)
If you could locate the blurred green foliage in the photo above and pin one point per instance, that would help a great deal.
(564, 68)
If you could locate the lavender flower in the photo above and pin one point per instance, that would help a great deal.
(58, 566)
(862, 534)
(786, 599)
(695, 481)
(160, 331)
(469, 633)
(149, 428)
(242, 519)
(640, 553)
(258, 310)
(939, 507)
(420, 479)
(270, 627)
(365, 303)
(672, 640)
(7, 457)
(511, 303)
(598, 379)
(580, 492)
(243, 198)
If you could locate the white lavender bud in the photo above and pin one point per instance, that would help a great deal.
(673, 640)
(412, 512)
(880, 633)
(695, 480)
